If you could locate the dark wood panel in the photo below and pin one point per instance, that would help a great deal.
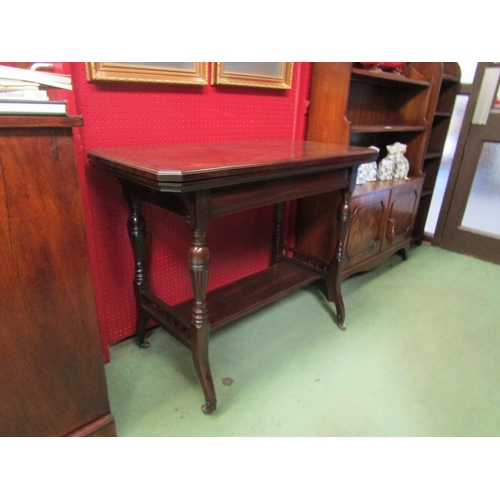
(317, 224)
(18, 387)
(367, 227)
(21, 121)
(53, 379)
(226, 201)
(401, 213)
(326, 100)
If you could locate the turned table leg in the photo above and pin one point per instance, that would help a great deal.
(199, 265)
(137, 232)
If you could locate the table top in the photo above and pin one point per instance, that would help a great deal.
(185, 163)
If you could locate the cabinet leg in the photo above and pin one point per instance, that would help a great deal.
(405, 251)
(137, 233)
(199, 265)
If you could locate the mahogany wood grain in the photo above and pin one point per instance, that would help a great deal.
(52, 380)
(326, 99)
(49, 121)
(193, 167)
(367, 226)
(402, 210)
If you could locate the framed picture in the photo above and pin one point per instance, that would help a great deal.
(191, 73)
(276, 75)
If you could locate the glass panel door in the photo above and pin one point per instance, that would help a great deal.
(482, 213)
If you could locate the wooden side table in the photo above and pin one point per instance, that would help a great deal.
(205, 181)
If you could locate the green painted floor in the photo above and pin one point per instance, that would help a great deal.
(420, 357)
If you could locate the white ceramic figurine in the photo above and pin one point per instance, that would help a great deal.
(402, 163)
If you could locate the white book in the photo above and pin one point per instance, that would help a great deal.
(41, 77)
(9, 84)
(25, 95)
(8, 107)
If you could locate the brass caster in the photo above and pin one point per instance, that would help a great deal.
(207, 408)
(143, 345)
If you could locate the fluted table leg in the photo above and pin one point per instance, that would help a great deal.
(199, 265)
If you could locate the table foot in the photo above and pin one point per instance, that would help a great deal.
(143, 344)
(335, 295)
(337, 265)
(142, 322)
(207, 408)
(339, 305)
(202, 366)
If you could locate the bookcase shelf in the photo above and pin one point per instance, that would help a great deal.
(386, 78)
(379, 129)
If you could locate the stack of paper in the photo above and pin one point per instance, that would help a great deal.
(22, 91)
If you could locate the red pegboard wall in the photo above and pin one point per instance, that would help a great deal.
(134, 114)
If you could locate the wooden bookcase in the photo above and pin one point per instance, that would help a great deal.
(445, 91)
(353, 105)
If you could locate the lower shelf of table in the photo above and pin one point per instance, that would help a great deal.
(232, 301)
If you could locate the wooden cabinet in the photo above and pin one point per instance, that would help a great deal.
(52, 380)
(445, 90)
(381, 223)
(353, 105)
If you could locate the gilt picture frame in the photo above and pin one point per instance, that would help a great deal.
(188, 73)
(274, 75)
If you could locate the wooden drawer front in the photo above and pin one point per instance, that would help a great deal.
(367, 227)
(401, 213)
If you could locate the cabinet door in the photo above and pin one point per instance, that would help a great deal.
(367, 227)
(401, 214)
